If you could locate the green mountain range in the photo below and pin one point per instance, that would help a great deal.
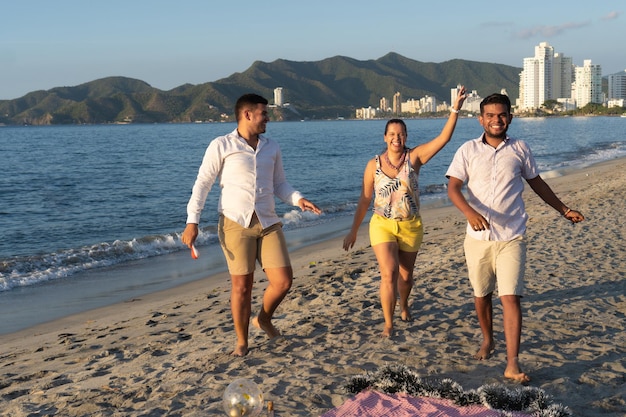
(315, 90)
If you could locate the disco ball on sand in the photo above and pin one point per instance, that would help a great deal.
(242, 398)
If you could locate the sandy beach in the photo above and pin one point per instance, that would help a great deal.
(168, 353)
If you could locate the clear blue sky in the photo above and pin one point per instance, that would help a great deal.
(46, 44)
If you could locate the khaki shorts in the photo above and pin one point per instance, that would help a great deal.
(491, 262)
(407, 233)
(244, 246)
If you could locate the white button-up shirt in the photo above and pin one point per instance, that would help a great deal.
(494, 184)
(249, 180)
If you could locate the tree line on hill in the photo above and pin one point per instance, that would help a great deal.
(326, 89)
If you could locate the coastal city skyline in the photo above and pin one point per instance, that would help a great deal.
(165, 45)
(549, 75)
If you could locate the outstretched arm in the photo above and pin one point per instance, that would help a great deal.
(544, 191)
(424, 152)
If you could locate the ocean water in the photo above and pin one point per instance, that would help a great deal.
(84, 205)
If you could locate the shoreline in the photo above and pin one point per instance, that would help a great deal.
(168, 351)
(437, 210)
(99, 288)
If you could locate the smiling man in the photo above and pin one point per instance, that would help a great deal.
(493, 167)
(250, 171)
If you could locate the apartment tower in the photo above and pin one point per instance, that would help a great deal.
(617, 85)
(588, 84)
(545, 76)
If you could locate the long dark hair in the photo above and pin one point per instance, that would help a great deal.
(394, 121)
(391, 122)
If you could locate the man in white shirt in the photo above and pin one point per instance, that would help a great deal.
(250, 171)
(493, 167)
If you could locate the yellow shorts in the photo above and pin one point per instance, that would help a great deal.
(490, 262)
(407, 233)
(243, 246)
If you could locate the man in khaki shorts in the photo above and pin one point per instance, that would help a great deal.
(250, 172)
(493, 167)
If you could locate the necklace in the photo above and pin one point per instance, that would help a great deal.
(397, 168)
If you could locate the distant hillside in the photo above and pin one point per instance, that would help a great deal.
(328, 88)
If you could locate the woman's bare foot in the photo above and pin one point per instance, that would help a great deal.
(240, 351)
(406, 316)
(268, 328)
(387, 332)
(485, 351)
(514, 372)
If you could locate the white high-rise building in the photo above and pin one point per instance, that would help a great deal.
(563, 75)
(382, 104)
(546, 76)
(397, 103)
(453, 93)
(411, 106)
(428, 104)
(617, 86)
(278, 96)
(471, 103)
(588, 85)
(365, 113)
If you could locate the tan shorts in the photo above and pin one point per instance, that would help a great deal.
(244, 246)
(491, 262)
(407, 233)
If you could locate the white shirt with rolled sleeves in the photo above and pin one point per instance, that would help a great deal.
(494, 179)
(249, 180)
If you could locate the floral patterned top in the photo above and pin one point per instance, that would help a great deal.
(396, 198)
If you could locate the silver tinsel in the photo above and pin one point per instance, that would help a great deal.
(393, 379)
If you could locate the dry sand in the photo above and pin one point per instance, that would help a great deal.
(168, 353)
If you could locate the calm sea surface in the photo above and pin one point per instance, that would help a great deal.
(80, 202)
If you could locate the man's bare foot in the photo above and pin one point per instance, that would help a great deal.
(240, 351)
(387, 332)
(485, 351)
(268, 328)
(520, 377)
(514, 372)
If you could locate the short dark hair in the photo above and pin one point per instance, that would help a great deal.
(246, 101)
(496, 99)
